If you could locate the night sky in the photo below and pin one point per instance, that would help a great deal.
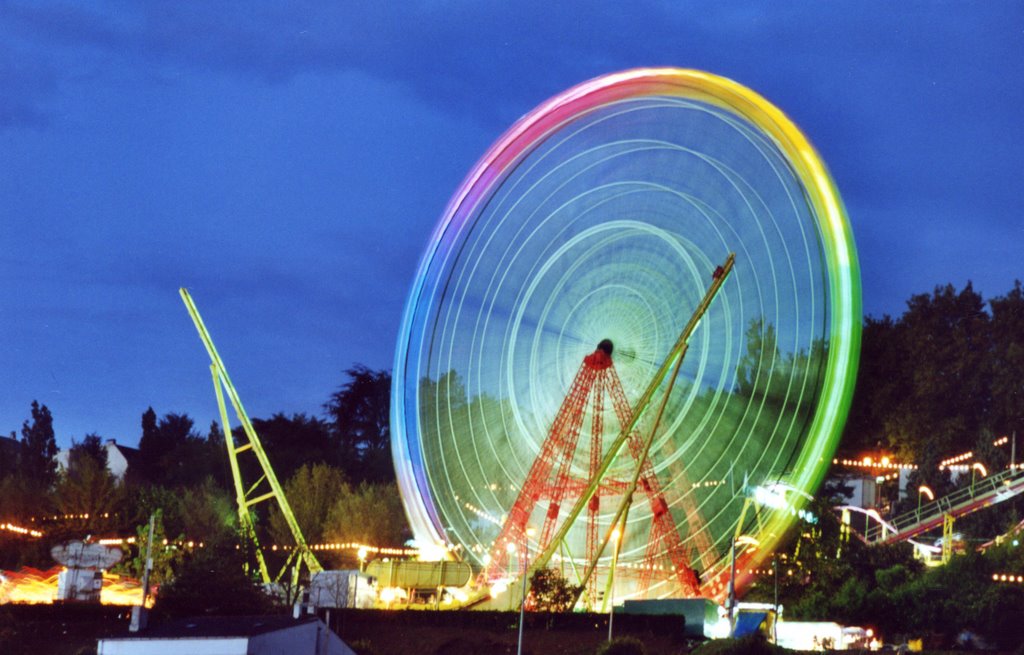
(287, 163)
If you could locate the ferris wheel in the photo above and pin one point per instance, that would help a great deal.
(550, 300)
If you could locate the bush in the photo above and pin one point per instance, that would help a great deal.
(622, 646)
(212, 582)
(750, 645)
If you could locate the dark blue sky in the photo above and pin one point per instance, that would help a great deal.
(287, 163)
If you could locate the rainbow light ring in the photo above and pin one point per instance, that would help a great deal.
(462, 254)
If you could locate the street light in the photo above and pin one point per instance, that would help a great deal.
(926, 491)
(979, 467)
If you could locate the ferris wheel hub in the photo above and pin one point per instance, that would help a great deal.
(601, 358)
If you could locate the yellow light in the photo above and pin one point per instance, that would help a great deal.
(510, 548)
(980, 468)
(924, 489)
(615, 535)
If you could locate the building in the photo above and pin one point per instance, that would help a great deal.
(230, 635)
(119, 458)
(9, 449)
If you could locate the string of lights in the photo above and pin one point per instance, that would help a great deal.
(869, 462)
(10, 527)
(885, 462)
(188, 543)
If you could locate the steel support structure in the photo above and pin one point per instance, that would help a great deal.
(264, 488)
(559, 447)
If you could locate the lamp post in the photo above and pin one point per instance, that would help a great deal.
(510, 548)
(616, 537)
(525, 582)
(732, 587)
(775, 623)
(745, 540)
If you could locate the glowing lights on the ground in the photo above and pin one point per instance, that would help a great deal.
(17, 529)
(1008, 577)
(391, 594)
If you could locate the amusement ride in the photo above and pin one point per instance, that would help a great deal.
(638, 318)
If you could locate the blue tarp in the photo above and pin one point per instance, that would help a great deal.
(747, 623)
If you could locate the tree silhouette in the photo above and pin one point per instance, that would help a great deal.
(39, 449)
(359, 415)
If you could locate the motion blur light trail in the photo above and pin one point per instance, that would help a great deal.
(29, 585)
(601, 215)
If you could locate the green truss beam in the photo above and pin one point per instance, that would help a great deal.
(267, 484)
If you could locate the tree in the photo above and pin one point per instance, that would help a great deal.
(945, 338)
(312, 492)
(87, 490)
(171, 453)
(166, 555)
(39, 449)
(209, 513)
(370, 514)
(91, 448)
(882, 380)
(290, 442)
(551, 592)
(1008, 355)
(359, 415)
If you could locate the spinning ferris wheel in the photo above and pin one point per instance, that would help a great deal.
(550, 300)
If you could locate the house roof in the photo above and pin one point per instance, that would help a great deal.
(130, 454)
(220, 626)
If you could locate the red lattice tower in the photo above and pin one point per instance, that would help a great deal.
(549, 479)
